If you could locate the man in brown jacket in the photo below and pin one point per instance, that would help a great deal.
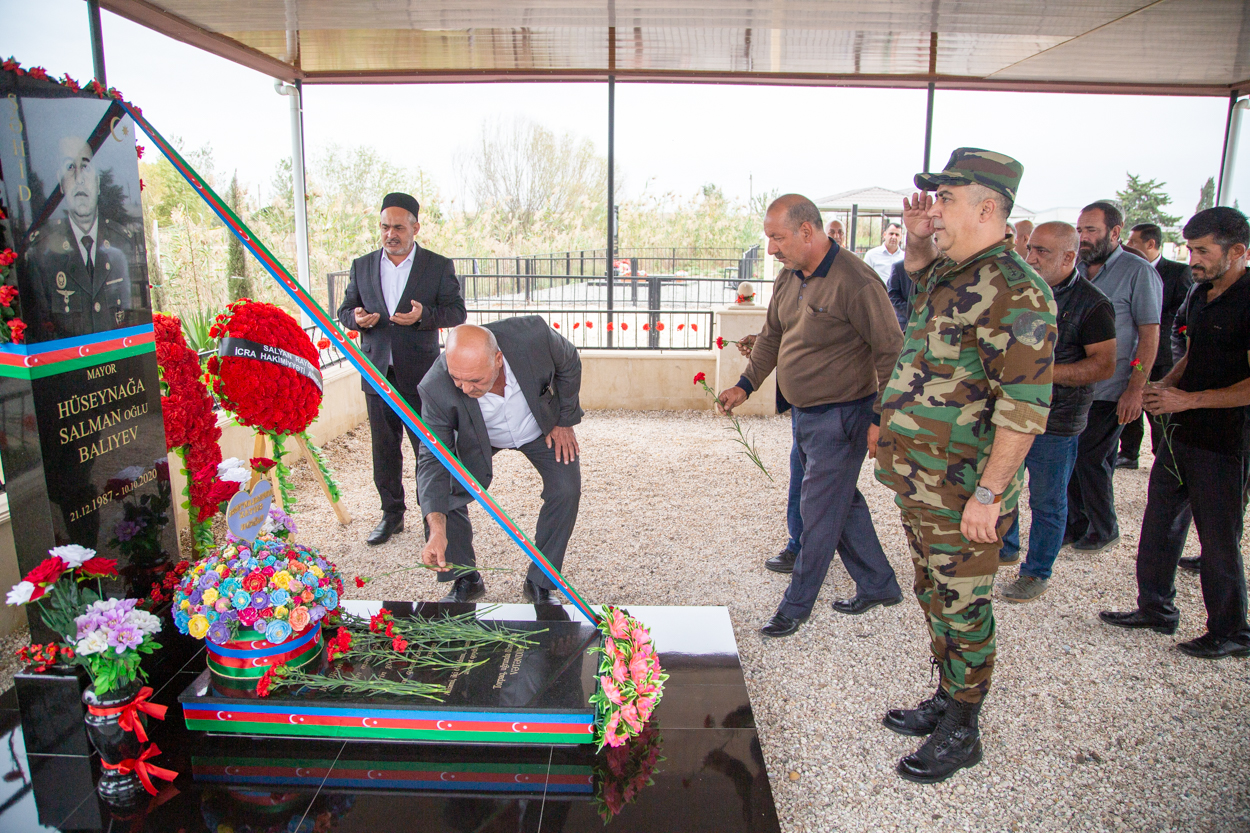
(832, 336)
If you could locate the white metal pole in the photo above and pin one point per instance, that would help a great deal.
(1227, 171)
(299, 186)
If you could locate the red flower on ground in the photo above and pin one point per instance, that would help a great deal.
(360, 582)
(399, 644)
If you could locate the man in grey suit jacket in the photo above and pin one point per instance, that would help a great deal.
(398, 297)
(510, 384)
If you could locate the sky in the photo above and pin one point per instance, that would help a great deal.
(669, 137)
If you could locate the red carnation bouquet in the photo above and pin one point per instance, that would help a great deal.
(12, 328)
(265, 391)
(190, 424)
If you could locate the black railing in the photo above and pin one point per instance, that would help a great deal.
(667, 290)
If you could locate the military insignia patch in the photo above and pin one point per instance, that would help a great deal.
(97, 306)
(1029, 328)
(60, 280)
(65, 245)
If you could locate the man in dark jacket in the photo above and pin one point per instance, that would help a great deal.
(398, 297)
(900, 288)
(1147, 238)
(1084, 354)
(511, 384)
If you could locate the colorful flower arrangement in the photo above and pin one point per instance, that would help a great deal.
(743, 438)
(190, 424)
(625, 770)
(631, 681)
(108, 637)
(275, 588)
(270, 397)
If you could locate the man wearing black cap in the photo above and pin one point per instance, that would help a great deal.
(398, 297)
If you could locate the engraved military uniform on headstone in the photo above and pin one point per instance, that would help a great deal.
(84, 444)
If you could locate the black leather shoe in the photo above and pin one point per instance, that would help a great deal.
(388, 526)
(1137, 619)
(858, 604)
(536, 595)
(782, 562)
(1191, 563)
(921, 720)
(1209, 646)
(466, 589)
(954, 744)
(1125, 463)
(1091, 546)
(782, 625)
(1005, 557)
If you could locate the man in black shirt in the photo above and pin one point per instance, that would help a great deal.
(1084, 354)
(1206, 447)
(1147, 238)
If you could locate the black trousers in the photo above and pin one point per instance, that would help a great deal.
(1135, 432)
(387, 431)
(1219, 482)
(561, 495)
(1091, 495)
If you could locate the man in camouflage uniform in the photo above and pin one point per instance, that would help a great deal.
(87, 269)
(970, 391)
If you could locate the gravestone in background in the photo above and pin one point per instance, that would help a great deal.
(81, 435)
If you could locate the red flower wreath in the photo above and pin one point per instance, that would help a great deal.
(190, 424)
(262, 394)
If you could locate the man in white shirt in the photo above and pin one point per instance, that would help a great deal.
(398, 297)
(883, 258)
(512, 384)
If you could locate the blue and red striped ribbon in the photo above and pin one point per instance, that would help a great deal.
(370, 373)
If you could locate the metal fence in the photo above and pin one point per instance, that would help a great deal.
(655, 299)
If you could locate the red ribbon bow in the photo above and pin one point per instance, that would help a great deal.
(129, 720)
(145, 771)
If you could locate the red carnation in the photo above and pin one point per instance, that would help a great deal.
(694, 327)
(555, 324)
(360, 582)
(261, 464)
(590, 325)
(610, 327)
(659, 325)
(681, 326)
(351, 334)
(624, 326)
(323, 343)
(399, 644)
(720, 342)
(699, 377)
(646, 327)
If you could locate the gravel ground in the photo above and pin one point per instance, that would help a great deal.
(1086, 727)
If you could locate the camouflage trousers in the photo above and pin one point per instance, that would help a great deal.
(954, 583)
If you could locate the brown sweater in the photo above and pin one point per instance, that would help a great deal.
(832, 338)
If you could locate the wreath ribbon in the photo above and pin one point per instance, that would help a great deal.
(143, 769)
(130, 720)
(242, 348)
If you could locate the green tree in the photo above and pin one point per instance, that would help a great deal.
(236, 256)
(1143, 201)
(1206, 197)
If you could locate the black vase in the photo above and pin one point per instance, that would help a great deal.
(114, 743)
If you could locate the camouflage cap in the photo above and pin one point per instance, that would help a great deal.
(974, 165)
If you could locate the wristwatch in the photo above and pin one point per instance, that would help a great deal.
(985, 496)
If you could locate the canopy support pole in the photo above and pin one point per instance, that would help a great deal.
(610, 252)
(928, 128)
(299, 185)
(97, 41)
(1232, 133)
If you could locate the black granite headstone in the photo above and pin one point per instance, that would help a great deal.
(81, 434)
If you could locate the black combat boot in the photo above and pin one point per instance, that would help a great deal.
(921, 720)
(954, 744)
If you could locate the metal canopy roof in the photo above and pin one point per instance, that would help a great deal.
(1175, 47)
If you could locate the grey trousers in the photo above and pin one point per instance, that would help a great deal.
(562, 492)
(832, 446)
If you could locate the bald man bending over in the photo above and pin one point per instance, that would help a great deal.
(510, 384)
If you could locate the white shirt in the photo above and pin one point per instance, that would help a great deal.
(1155, 262)
(87, 254)
(509, 421)
(882, 261)
(395, 278)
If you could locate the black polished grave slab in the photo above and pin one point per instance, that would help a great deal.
(537, 694)
(707, 775)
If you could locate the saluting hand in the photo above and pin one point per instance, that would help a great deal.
(408, 318)
(916, 215)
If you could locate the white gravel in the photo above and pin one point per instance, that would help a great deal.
(1086, 727)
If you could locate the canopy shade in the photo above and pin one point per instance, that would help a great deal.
(1175, 47)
